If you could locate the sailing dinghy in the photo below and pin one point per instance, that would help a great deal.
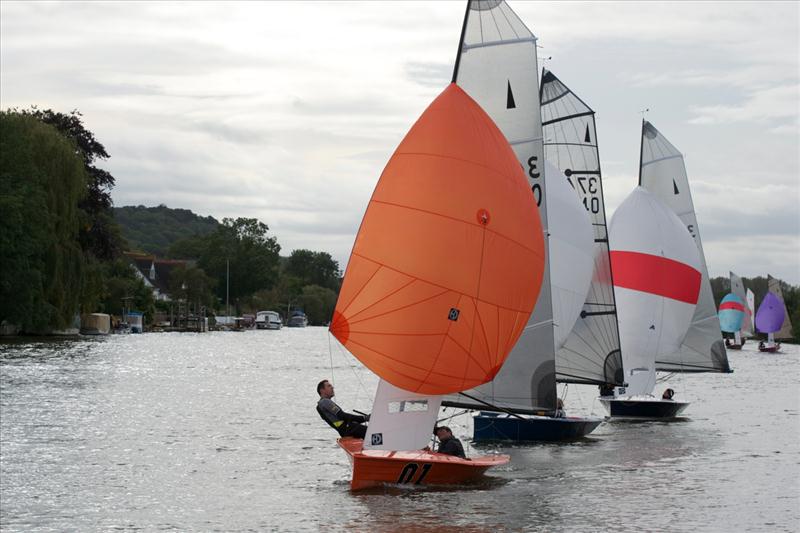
(444, 273)
(497, 66)
(746, 329)
(772, 317)
(731, 317)
(657, 282)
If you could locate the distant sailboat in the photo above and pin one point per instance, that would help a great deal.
(444, 273)
(497, 66)
(772, 317)
(731, 317)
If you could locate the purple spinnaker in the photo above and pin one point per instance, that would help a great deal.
(770, 315)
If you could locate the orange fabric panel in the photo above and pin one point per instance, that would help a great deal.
(448, 262)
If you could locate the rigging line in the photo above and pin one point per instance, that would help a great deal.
(496, 407)
(330, 354)
(348, 364)
(445, 419)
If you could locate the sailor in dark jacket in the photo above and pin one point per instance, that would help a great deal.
(348, 425)
(448, 443)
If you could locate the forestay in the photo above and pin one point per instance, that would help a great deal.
(591, 352)
(662, 172)
(496, 65)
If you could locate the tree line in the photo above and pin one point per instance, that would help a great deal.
(61, 248)
(721, 286)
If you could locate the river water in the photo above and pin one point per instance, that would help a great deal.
(218, 432)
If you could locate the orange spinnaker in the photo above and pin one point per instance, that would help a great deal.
(448, 262)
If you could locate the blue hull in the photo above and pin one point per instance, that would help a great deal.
(491, 427)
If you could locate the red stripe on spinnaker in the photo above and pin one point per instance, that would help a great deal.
(656, 275)
(731, 305)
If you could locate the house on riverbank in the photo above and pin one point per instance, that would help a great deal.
(155, 272)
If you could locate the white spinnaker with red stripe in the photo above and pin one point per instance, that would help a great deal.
(657, 278)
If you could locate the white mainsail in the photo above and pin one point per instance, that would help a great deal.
(737, 288)
(662, 172)
(751, 312)
(774, 286)
(656, 283)
(591, 353)
(497, 66)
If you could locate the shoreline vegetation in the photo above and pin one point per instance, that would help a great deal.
(67, 252)
(64, 245)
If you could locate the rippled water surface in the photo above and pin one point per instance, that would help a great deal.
(219, 431)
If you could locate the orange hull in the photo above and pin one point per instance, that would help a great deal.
(375, 467)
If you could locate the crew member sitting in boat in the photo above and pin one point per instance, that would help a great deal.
(448, 443)
(668, 394)
(348, 425)
(560, 413)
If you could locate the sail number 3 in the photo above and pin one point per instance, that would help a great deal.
(534, 175)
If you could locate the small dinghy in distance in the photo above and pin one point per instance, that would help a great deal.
(772, 318)
(444, 274)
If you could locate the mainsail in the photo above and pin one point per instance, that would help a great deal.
(662, 172)
(751, 312)
(785, 332)
(591, 352)
(737, 288)
(496, 65)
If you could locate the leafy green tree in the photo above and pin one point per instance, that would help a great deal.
(122, 287)
(314, 268)
(242, 243)
(42, 181)
(318, 304)
(98, 235)
(192, 285)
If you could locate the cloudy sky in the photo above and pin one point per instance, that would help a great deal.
(288, 112)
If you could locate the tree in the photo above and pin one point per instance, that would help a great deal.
(318, 304)
(42, 179)
(122, 287)
(99, 235)
(192, 285)
(314, 268)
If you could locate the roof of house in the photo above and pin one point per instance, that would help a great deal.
(144, 263)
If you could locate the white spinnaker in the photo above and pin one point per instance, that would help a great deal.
(497, 66)
(571, 246)
(662, 172)
(751, 307)
(786, 328)
(737, 288)
(591, 353)
(401, 420)
(650, 325)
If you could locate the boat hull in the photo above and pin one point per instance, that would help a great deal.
(492, 427)
(373, 468)
(770, 349)
(646, 408)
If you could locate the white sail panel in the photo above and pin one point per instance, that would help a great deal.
(497, 66)
(401, 420)
(591, 353)
(657, 284)
(737, 288)
(774, 286)
(662, 172)
(751, 312)
(571, 246)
